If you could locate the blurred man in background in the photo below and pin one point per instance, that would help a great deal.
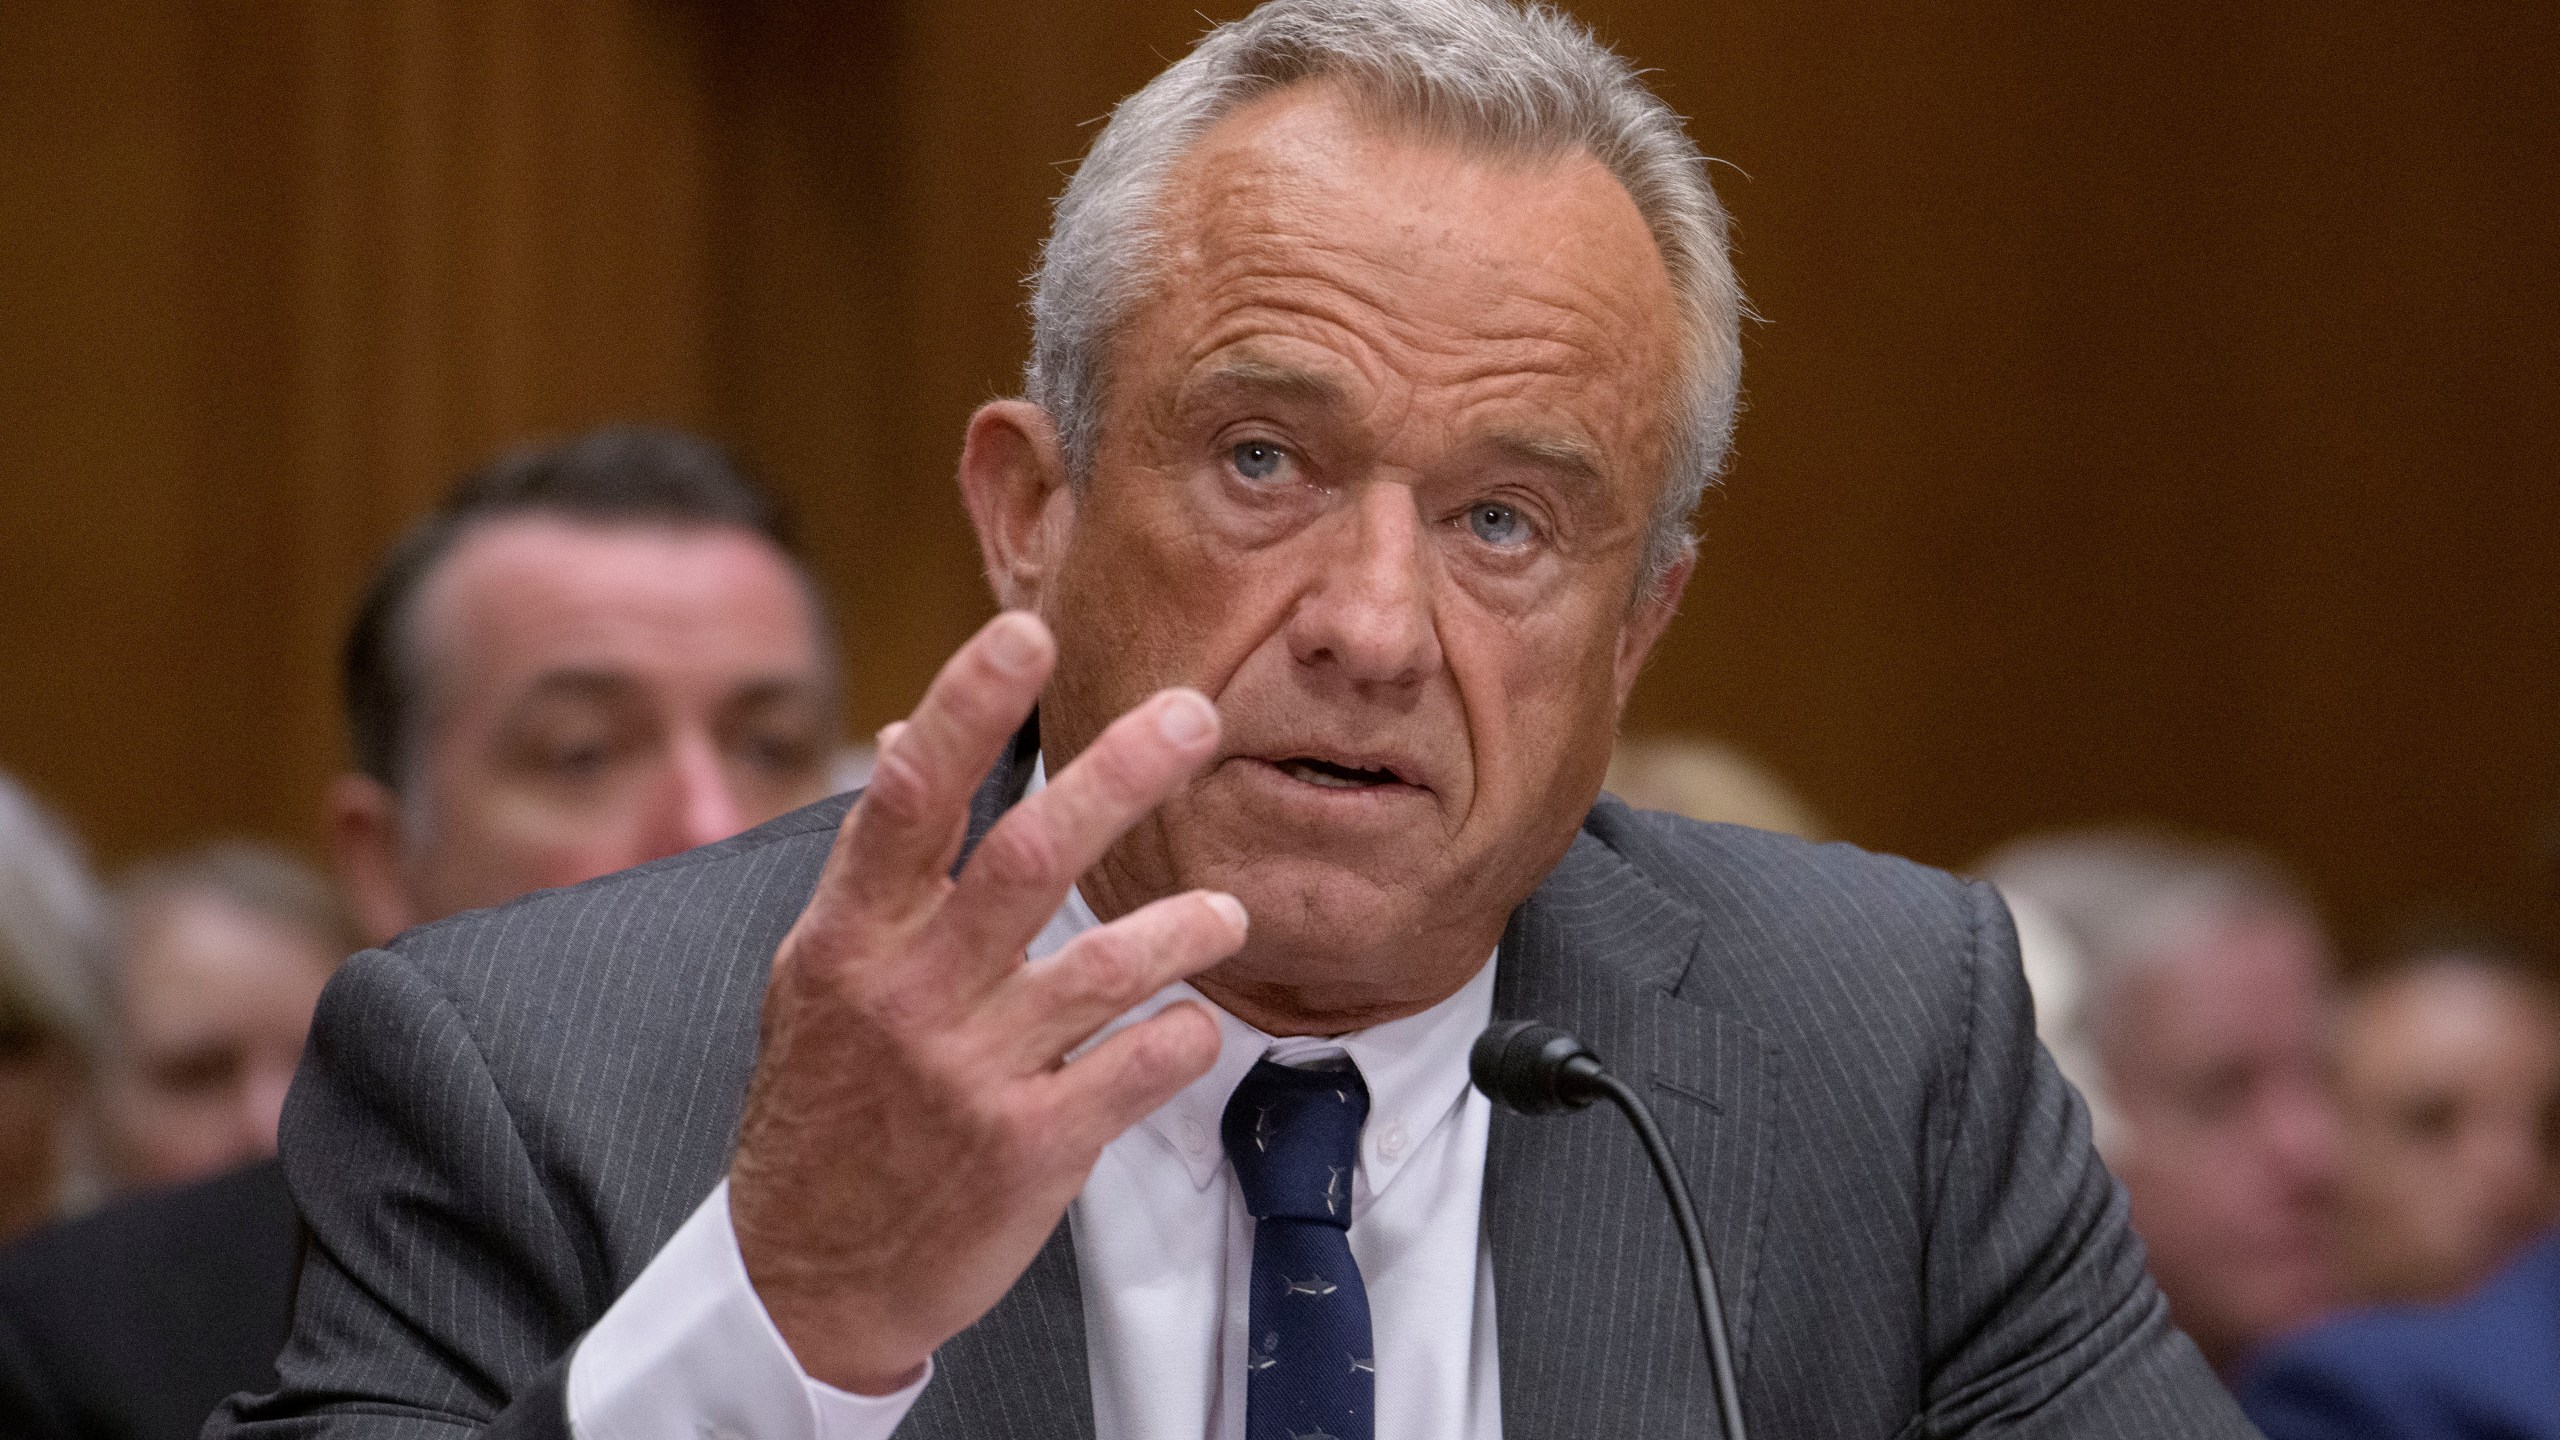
(590, 656)
(2184, 986)
(220, 956)
(2449, 1076)
(51, 929)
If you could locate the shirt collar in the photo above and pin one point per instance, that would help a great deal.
(1415, 1068)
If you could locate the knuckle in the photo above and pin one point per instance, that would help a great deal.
(896, 793)
(1161, 1052)
(1021, 852)
(1012, 1134)
(952, 1088)
(907, 1006)
(974, 1110)
(1108, 965)
(880, 902)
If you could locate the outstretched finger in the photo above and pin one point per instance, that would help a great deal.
(1130, 1076)
(1024, 866)
(902, 835)
(1056, 1003)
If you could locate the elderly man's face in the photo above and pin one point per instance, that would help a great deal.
(1374, 475)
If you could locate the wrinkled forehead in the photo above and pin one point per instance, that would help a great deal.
(1306, 210)
(1298, 165)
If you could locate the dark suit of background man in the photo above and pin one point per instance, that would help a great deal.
(590, 656)
(1380, 352)
(2484, 1367)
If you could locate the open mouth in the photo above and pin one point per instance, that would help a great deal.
(1336, 777)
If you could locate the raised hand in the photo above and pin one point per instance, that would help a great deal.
(912, 1134)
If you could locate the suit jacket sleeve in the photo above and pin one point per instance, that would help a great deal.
(2040, 1317)
(443, 1284)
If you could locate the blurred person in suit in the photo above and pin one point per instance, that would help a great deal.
(2449, 1077)
(220, 954)
(52, 931)
(1707, 780)
(591, 655)
(2485, 1367)
(2446, 1060)
(2184, 985)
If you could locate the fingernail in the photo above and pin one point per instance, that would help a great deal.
(1229, 906)
(1013, 646)
(1185, 718)
(887, 737)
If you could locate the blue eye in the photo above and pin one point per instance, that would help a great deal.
(1495, 523)
(1257, 459)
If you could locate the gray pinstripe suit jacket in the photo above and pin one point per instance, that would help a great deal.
(504, 1115)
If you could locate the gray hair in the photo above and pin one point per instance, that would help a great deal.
(52, 927)
(2093, 906)
(249, 876)
(1516, 80)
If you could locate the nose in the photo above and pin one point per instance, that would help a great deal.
(698, 805)
(1368, 613)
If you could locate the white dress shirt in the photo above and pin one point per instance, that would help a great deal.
(1164, 1253)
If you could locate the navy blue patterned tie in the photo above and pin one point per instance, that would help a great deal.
(1294, 1137)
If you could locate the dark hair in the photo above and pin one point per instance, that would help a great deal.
(614, 476)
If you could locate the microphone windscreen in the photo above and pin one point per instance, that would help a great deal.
(1527, 1066)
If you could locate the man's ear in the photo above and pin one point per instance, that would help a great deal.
(363, 820)
(1013, 477)
(1647, 619)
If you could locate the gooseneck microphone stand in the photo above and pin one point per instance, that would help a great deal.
(1538, 1069)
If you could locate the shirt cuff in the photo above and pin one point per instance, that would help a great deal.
(688, 1352)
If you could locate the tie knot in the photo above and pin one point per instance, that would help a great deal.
(1294, 1137)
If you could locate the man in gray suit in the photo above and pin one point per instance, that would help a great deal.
(1381, 350)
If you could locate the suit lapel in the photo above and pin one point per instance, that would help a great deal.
(1021, 1370)
(1597, 1331)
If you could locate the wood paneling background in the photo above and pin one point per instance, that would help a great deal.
(2153, 415)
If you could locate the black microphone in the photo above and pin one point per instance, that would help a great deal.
(1540, 1070)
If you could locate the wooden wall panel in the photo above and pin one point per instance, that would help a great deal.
(495, 218)
(2151, 415)
(278, 271)
(126, 654)
(2143, 426)
(803, 284)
